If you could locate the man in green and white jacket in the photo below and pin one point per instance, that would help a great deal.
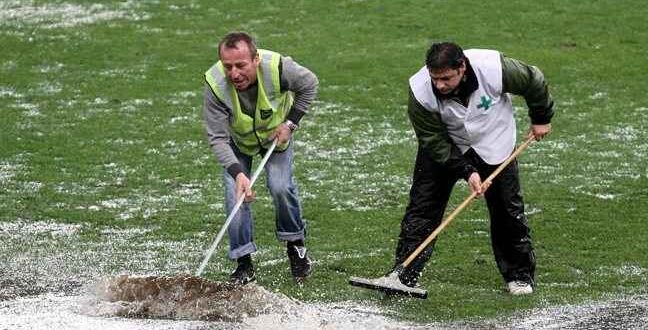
(253, 96)
(461, 111)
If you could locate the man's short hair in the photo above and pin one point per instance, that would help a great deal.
(231, 39)
(444, 55)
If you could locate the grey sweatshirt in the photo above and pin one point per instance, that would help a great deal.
(218, 117)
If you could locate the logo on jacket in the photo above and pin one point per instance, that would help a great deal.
(485, 103)
(266, 113)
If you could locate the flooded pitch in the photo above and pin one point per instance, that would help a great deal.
(187, 302)
(182, 302)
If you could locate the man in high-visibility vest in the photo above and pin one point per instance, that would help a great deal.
(461, 111)
(252, 97)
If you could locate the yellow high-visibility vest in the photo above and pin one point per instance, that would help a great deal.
(251, 133)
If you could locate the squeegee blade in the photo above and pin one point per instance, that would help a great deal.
(388, 284)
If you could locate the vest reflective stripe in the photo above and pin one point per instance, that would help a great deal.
(270, 82)
(251, 133)
(487, 124)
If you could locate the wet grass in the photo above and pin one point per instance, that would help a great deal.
(101, 127)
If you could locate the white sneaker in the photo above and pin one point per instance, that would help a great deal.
(517, 288)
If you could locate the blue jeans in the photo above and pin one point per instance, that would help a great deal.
(283, 189)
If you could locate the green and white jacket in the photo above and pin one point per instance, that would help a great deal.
(480, 114)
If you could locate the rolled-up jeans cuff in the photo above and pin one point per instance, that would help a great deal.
(242, 250)
(289, 237)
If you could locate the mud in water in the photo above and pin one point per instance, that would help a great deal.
(184, 297)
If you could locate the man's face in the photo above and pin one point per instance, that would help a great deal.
(240, 67)
(446, 80)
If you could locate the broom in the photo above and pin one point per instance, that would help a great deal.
(391, 283)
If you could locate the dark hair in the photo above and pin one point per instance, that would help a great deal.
(444, 55)
(231, 39)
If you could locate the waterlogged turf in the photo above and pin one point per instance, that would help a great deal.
(104, 167)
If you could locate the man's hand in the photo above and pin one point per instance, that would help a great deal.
(282, 133)
(243, 186)
(476, 185)
(539, 131)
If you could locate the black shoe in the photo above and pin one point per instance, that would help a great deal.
(244, 272)
(409, 278)
(300, 264)
(406, 276)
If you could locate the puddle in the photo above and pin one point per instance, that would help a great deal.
(621, 313)
(56, 311)
(177, 305)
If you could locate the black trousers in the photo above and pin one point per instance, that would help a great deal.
(431, 188)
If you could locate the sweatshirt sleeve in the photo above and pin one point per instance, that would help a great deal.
(217, 119)
(528, 81)
(302, 82)
(433, 137)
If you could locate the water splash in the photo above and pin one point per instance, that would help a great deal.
(184, 297)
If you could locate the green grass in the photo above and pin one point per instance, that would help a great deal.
(102, 126)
